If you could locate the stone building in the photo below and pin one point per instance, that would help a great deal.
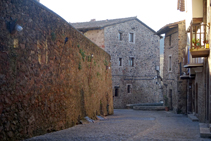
(134, 50)
(198, 58)
(174, 88)
(51, 75)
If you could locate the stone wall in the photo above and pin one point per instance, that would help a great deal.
(51, 75)
(161, 64)
(142, 77)
(181, 84)
(96, 36)
(200, 89)
(174, 88)
(209, 58)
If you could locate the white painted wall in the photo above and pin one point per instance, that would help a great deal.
(197, 8)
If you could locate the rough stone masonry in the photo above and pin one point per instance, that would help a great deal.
(51, 76)
(134, 50)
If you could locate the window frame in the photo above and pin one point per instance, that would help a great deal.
(170, 63)
(133, 61)
(133, 41)
(118, 90)
(169, 40)
(120, 36)
(116, 94)
(120, 62)
(129, 89)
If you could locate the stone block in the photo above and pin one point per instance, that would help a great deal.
(193, 118)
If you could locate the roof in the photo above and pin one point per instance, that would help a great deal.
(93, 25)
(168, 27)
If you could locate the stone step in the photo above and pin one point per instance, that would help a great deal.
(210, 127)
(192, 117)
(156, 108)
(130, 106)
(204, 130)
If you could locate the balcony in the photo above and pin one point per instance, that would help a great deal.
(201, 52)
(199, 46)
(193, 65)
(186, 76)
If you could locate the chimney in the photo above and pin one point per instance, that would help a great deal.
(92, 20)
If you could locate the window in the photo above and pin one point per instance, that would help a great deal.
(129, 87)
(131, 37)
(120, 36)
(131, 61)
(169, 64)
(120, 61)
(116, 91)
(169, 40)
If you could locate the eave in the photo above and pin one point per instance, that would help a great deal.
(168, 27)
(193, 65)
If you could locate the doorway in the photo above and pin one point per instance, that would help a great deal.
(190, 101)
(196, 99)
(207, 96)
(170, 101)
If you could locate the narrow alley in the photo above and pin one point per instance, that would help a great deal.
(131, 125)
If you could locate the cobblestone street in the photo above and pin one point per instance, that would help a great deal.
(131, 125)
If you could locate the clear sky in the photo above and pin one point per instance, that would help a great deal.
(154, 13)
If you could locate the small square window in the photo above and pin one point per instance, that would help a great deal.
(131, 37)
(120, 36)
(129, 87)
(169, 64)
(131, 61)
(170, 40)
(116, 91)
(120, 61)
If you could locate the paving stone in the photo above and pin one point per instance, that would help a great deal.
(132, 125)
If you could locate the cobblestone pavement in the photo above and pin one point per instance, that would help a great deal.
(131, 125)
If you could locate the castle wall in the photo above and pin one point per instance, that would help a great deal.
(51, 76)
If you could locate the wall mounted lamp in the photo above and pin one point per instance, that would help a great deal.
(12, 26)
(18, 28)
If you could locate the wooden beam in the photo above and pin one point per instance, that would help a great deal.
(197, 20)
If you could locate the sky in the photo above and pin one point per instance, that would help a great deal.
(154, 13)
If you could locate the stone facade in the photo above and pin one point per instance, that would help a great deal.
(134, 75)
(51, 75)
(145, 51)
(174, 45)
(199, 87)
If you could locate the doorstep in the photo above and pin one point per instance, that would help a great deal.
(192, 117)
(150, 108)
(204, 130)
